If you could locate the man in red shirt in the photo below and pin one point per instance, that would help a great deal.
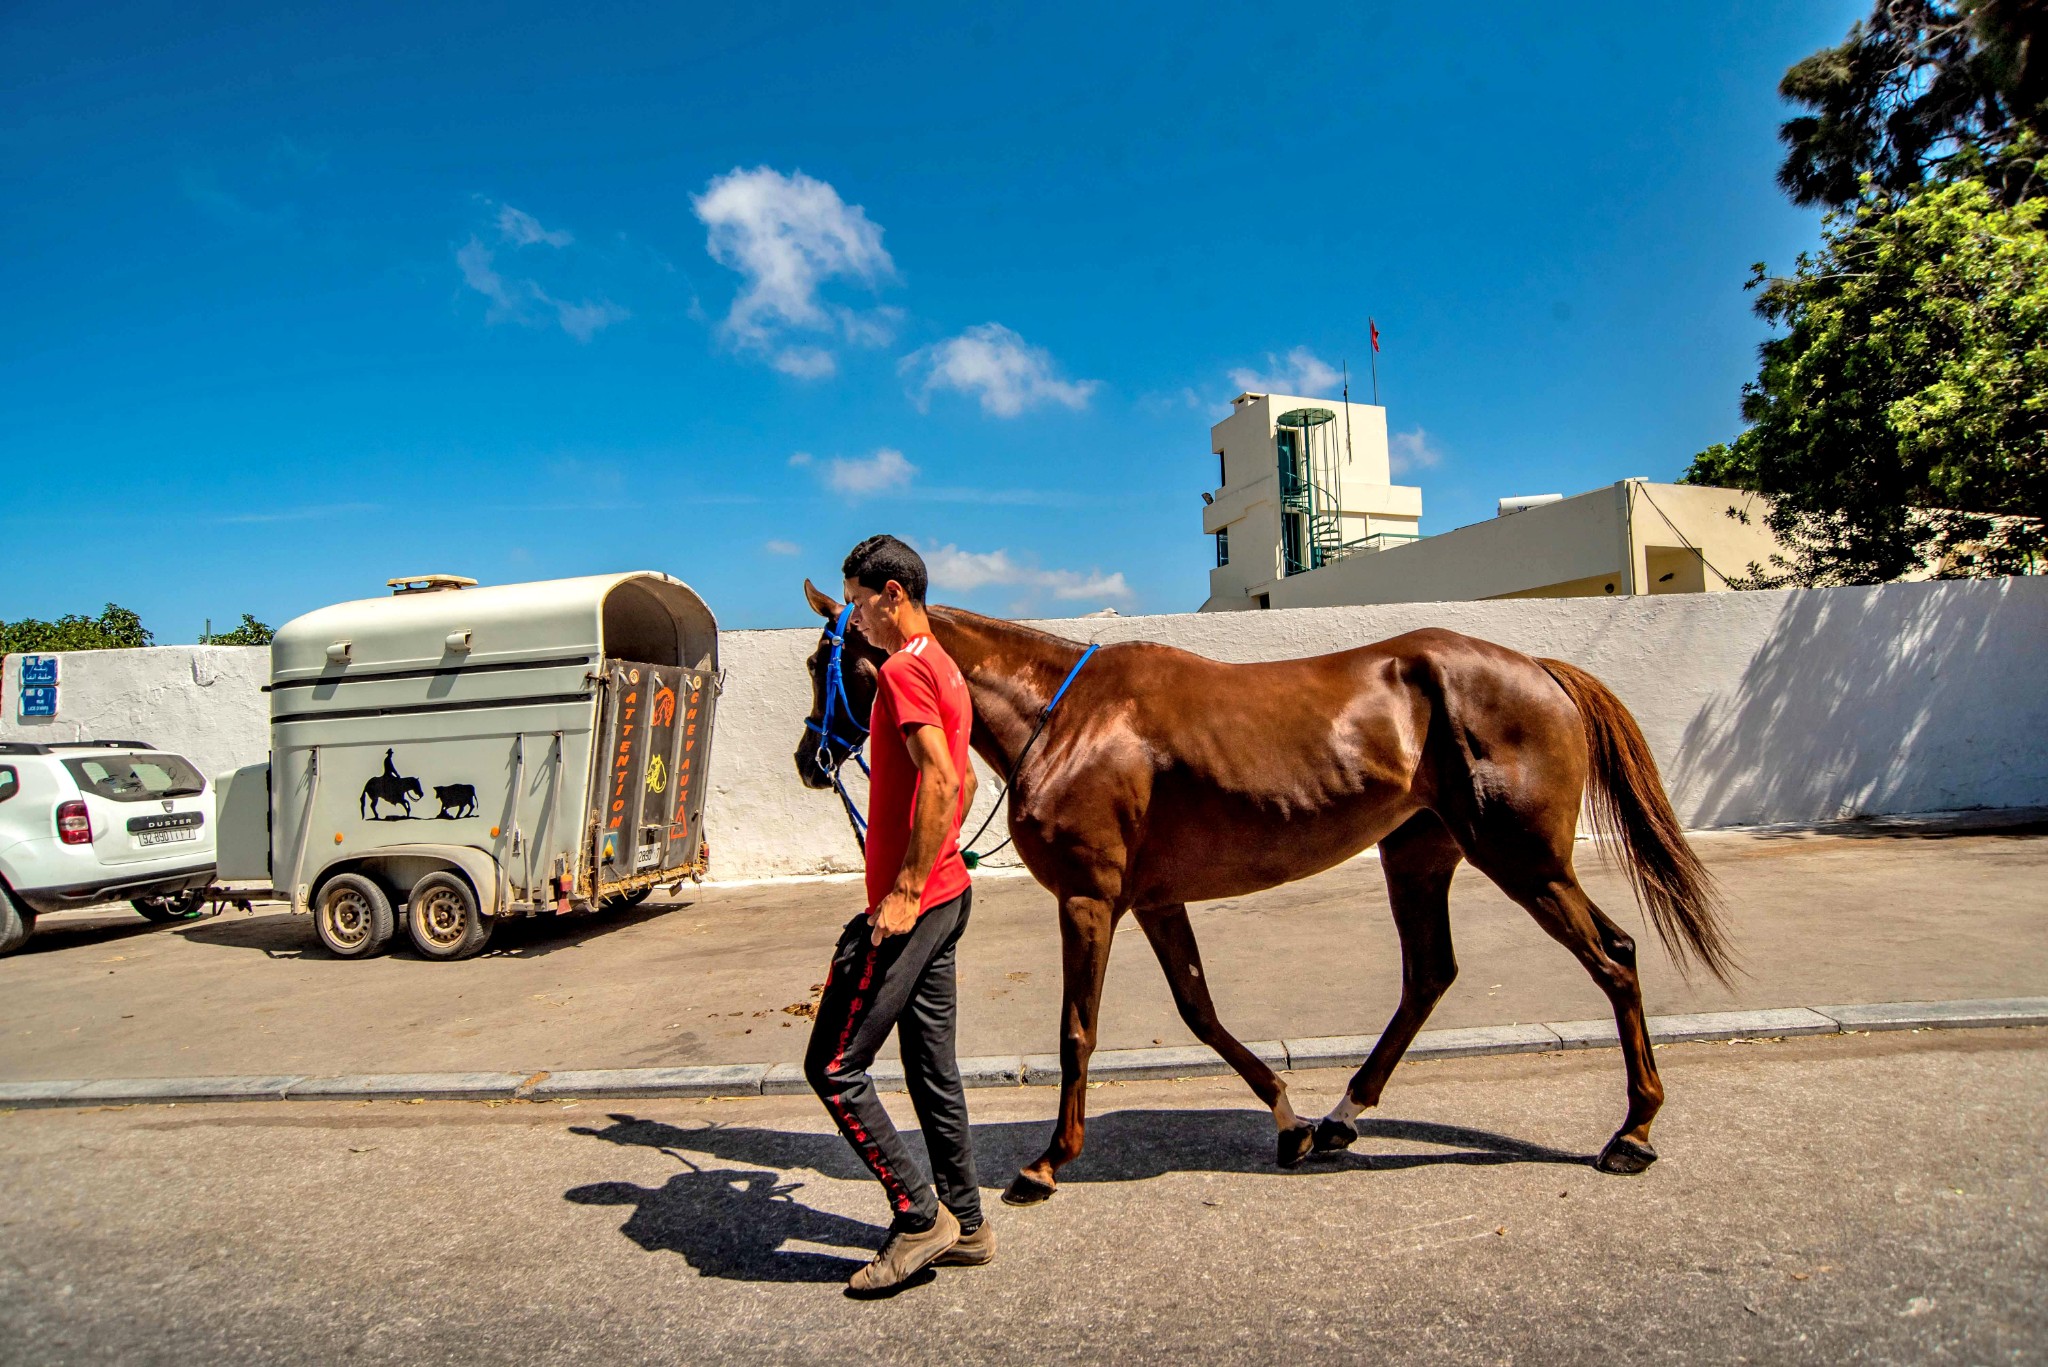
(894, 965)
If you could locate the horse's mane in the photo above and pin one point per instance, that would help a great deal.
(1002, 624)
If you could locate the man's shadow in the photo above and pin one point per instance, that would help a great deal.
(732, 1222)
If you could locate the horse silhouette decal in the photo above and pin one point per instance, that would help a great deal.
(457, 799)
(390, 788)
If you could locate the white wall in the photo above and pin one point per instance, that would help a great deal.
(1761, 707)
(201, 701)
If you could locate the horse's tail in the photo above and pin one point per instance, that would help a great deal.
(363, 803)
(1634, 818)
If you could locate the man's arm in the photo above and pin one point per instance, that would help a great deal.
(938, 793)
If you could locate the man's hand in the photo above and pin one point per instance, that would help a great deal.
(896, 914)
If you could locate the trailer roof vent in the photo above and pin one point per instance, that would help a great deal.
(427, 583)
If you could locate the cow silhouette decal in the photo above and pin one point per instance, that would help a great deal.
(457, 799)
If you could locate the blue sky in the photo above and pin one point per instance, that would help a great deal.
(301, 298)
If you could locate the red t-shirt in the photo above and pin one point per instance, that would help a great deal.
(921, 686)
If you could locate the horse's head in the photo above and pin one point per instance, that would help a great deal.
(412, 787)
(841, 696)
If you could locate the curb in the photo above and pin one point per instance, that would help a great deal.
(1028, 1070)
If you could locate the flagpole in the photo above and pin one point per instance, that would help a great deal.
(1374, 329)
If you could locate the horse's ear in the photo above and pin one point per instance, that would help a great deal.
(825, 607)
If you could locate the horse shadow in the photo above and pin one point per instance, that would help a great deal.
(731, 1222)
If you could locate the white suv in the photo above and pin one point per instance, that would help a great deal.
(95, 821)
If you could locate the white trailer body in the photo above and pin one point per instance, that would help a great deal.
(544, 744)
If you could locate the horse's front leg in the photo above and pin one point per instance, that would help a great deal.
(1087, 925)
(1173, 940)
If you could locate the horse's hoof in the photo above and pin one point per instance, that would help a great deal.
(1333, 1136)
(1027, 1191)
(1625, 1156)
(1295, 1144)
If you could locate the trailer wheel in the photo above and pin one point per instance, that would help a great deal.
(444, 919)
(624, 901)
(353, 917)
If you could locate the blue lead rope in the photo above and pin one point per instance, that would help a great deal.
(970, 857)
(839, 708)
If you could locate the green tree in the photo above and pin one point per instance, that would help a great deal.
(250, 633)
(114, 629)
(1923, 92)
(1903, 416)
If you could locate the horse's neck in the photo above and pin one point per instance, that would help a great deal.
(1012, 671)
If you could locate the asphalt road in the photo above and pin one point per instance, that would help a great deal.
(1875, 915)
(1848, 1198)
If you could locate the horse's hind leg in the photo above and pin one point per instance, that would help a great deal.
(1418, 859)
(1549, 890)
(1173, 940)
(1087, 925)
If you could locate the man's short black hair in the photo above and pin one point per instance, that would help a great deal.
(877, 560)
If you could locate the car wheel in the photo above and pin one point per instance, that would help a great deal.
(16, 922)
(444, 919)
(174, 906)
(353, 917)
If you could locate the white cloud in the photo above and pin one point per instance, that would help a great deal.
(524, 301)
(585, 320)
(877, 474)
(782, 548)
(965, 571)
(1413, 451)
(1007, 373)
(806, 362)
(523, 229)
(1300, 372)
(800, 458)
(787, 236)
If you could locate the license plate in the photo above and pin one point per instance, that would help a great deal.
(165, 837)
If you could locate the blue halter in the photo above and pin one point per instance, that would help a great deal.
(840, 733)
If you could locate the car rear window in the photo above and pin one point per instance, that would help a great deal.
(136, 778)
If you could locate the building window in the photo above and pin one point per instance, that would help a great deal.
(1223, 548)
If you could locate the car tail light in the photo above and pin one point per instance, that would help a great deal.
(74, 824)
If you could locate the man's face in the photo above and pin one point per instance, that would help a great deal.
(874, 611)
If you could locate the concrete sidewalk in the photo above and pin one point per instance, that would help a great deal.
(1894, 912)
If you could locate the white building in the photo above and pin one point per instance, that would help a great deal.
(1303, 485)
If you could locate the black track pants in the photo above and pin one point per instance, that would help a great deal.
(906, 982)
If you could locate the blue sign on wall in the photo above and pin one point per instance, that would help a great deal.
(39, 671)
(39, 702)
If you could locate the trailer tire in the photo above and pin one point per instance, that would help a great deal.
(443, 917)
(353, 917)
(625, 901)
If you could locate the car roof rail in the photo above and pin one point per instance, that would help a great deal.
(98, 745)
(22, 747)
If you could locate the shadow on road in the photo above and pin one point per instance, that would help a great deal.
(732, 1222)
(53, 936)
(282, 935)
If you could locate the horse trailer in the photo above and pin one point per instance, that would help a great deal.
(453, 755)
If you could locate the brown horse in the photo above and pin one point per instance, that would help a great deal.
(1165, 778)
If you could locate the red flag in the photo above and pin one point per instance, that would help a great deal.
(1375, 333)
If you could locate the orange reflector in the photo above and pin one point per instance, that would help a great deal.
(337, 837)
(494, 832)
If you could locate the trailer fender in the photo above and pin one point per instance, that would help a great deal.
(398, 867)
